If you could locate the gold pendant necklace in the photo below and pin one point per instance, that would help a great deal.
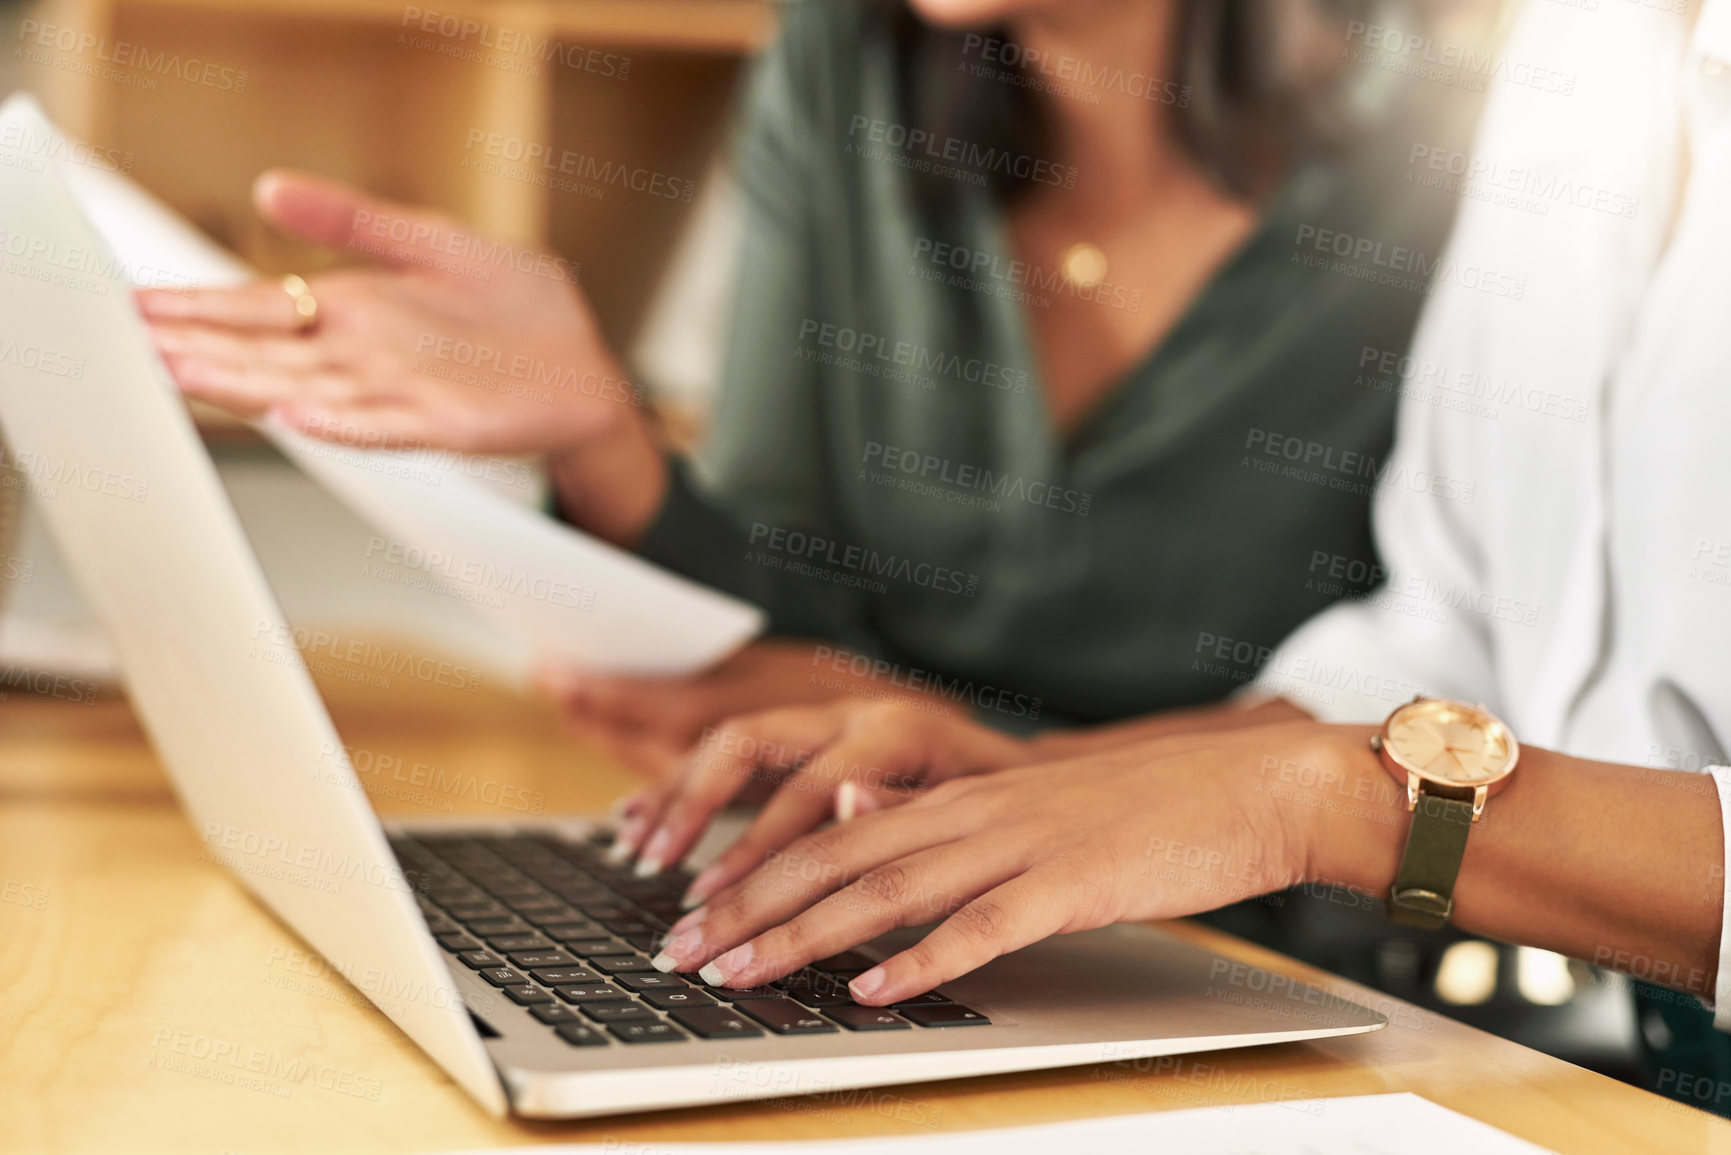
(1083, 265)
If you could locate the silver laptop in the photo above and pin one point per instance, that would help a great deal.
(511, 952)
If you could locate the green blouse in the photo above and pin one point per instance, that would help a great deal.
(882, 473)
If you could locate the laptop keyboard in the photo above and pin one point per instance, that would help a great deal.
(567, 934)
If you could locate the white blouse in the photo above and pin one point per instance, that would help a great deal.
(1555, 520)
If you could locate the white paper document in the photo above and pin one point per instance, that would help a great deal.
(562, 593)
(1358, 1125)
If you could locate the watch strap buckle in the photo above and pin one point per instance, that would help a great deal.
(1416, 906)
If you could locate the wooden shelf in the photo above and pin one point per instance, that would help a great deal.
(351, 89)
(732, 26)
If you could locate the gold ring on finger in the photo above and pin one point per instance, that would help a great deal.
(306, 305)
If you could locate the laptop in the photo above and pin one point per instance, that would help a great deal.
(512, 952)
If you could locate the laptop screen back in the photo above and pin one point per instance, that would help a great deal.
(110, 456)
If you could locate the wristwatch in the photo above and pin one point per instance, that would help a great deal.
(1452, 757)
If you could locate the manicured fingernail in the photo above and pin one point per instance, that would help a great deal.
(679, 951)
(734, 962)
(625, 843)
(703, 886)
(865, 986)
(655, 854)
(846, 802)
(688, 921)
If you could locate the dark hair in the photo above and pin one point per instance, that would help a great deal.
(1253, 84)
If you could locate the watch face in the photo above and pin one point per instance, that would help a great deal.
(1451, 743)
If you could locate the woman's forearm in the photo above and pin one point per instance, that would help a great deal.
(1618, 865)
(612, 486)
(1056, 745)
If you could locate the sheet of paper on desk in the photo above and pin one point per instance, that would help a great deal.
(1360, 1125)
(564, 593)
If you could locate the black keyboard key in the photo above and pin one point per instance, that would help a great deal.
(624, 927)
(651, 981)
(530, 959)
(668, 1000)
(867, 1019)
(439, 924)
(480, 959)
(619, 964)
(656, 1032)
(640, 890)
(553, 1013)
(929, 999)
(572, 928)
(786, 1018)
(847, 960)
(730, 995)
(476, 908)
(612, 1011)
(588, 947)
(488, 917)
(503, 976)
(814, 997)
(488, 927)
(512, 943)
(457, 941)
(527, 995)
(948, 1015)
(716, 1023)
(566, 976)
(602, 911)
(588, 993)
(581, 1035)
(809, 980)
(560, 915)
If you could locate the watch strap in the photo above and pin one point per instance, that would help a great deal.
(1423, 890)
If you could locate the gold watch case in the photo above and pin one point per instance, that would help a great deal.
(1447, 748)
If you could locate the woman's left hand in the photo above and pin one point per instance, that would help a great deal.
(675, 713)
(1156, 830)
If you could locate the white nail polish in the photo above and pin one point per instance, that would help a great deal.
(846, 802)
(712, 975)
(663, 962)
(647, 867)
(624, 845)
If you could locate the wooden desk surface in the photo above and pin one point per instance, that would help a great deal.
(118, 944)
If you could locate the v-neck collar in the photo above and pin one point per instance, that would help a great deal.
(1060, 454)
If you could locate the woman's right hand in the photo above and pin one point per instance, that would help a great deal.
(843, 758)
(444, 339)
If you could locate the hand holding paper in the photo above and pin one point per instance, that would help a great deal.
(571, 597)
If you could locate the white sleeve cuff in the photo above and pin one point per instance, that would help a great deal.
(1722, 988)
